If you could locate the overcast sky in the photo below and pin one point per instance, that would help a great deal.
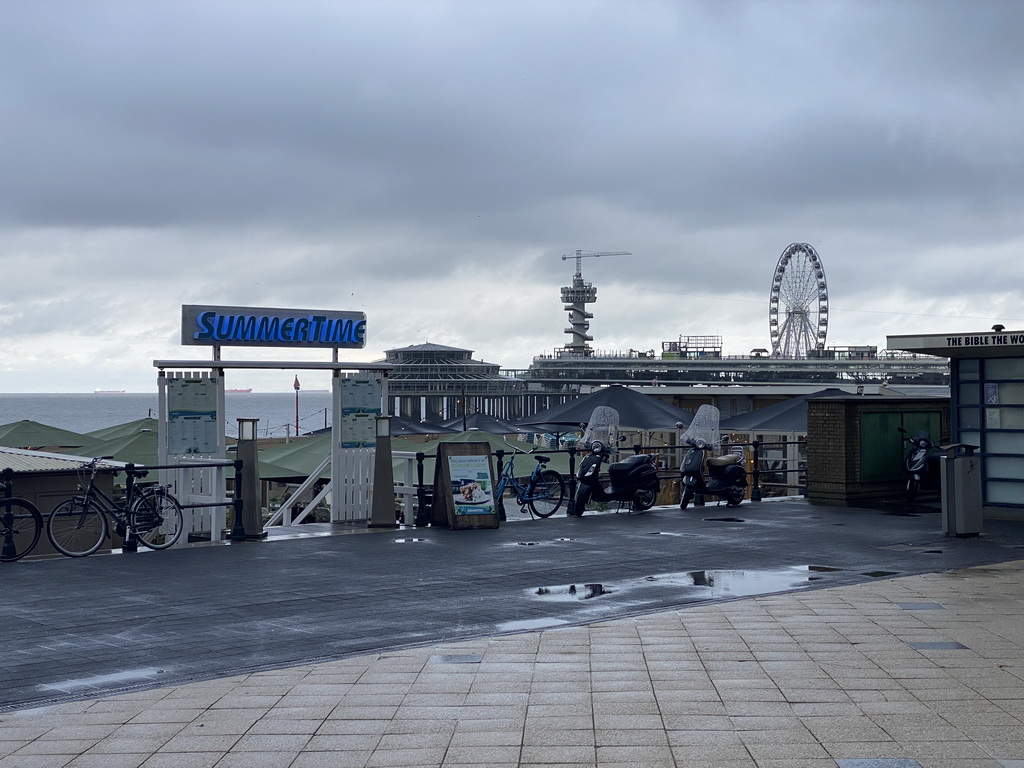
(428, 163)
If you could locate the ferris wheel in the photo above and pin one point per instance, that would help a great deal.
(798, 309)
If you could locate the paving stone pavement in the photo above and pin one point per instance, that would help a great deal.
(923, 671)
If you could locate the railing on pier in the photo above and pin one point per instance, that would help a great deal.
(769, 475)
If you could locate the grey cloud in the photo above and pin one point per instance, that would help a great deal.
(363, 150)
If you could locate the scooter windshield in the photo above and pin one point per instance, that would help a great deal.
(704, 426)
(603, 426)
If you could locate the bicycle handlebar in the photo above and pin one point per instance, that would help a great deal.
(516, 449)
(93, 464)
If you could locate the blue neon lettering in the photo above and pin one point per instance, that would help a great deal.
(266, 329)
(224, 327)
(312, 329)
(205, 322)
(245, 327)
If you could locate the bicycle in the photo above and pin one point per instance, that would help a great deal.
(78, 526)
(543, 491)
(20, 525)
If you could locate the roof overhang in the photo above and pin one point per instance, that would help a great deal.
(198, 365)
(957, 345)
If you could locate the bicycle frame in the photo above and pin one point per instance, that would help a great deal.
(508, 479)
(122, 514)
(526, 494)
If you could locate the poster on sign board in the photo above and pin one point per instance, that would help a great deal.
(464, 486)
(191, 416)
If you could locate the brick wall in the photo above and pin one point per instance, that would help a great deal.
(834, 446)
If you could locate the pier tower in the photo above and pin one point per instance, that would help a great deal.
(575, 297)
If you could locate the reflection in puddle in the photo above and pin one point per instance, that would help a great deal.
(527, 625)
(574, 592)
(710, 583)
(736, 583)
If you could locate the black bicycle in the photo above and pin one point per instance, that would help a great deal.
(78, 526)
(20, 526)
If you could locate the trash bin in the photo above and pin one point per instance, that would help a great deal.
(960, 471)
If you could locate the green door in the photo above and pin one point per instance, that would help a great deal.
(882, 449)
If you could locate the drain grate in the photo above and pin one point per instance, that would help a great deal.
(921, 606)
(880, 574)
(950, 645)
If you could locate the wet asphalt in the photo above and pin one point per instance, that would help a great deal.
(77, 628)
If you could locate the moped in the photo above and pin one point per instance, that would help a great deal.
(920, 462)
(633, 480)
(702, 472)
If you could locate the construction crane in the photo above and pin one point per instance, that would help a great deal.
(580, 255)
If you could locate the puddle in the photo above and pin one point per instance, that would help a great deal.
(710, 583)
(103, 681)
(724, 520)
(575, 591)
(730, 583)
(530, 624)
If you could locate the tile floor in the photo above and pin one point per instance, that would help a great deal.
(917, 672)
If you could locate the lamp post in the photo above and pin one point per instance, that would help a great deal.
(382, 507)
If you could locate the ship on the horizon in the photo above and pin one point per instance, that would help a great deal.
(243, 391)
(108, 391)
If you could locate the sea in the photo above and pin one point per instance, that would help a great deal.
(90, 411)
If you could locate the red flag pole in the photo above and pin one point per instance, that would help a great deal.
(296, 385)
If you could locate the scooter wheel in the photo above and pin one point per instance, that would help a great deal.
(643, 500)
(735, 498)
(580, 502)
(913, 488)
(684, 502)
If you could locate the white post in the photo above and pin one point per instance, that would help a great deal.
(337, 480)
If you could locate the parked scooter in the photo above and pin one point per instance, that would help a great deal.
(633, 480)
(702, 472)
(920, 462)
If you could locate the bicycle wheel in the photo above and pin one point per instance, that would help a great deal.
(20, 526)
(547, 494)
(76, 528)
(158, 519)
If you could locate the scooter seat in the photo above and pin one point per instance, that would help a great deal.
(636, 468)
(726, 460)
(632, 461)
